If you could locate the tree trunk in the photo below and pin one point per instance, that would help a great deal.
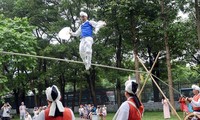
(16, 95)
(80, 95)
(35, 97)
(135, 47)
(197, 9)
(62, 88)
(171, 92)
(137, 74)
(23, 95)
(118, 89)
(91, 82)
(44, 68)
(168, 59)
(118, 64)
(155, 71)
(74, 95)
(39, 100)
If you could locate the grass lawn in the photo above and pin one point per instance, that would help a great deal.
(147, 116)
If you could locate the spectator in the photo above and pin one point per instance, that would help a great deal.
(93, 114)
(166, 108)
(81, 111)
(99, 112)
(55, 109)
(104, 112)
(35, 113)
(85, 114)
(28, 116)
(89, 107)
(6, 111)
(22, 111)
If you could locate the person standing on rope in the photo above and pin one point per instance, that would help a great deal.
(195, 101)
(132, 109)
(55, 110)
(86, 32)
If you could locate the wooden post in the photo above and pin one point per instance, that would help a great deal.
(148, 75)
(159, 89)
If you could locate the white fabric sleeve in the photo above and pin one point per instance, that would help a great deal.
(123, 112)
(97, 111)
(41, 116)
(79, 110)
(77, 33)
(195, 104)
(73, 117)
(93, 23)
(97, 25)
(30, 118)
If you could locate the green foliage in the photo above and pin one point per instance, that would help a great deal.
(17, 34)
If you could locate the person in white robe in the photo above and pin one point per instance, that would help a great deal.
(85, 31)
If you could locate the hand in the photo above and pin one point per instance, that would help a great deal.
(189, 99)
(70, 32)
(104, 24)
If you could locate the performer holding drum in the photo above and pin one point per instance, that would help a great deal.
(195, 102)
(85, 31)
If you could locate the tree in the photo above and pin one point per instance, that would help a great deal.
(197, 13)
(164, 17)
(16, 36)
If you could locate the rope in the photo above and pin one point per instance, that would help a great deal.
(166, 84)
(70, 61)
(79, 62)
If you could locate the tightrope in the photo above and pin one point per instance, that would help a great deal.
(70, 61)
(79, 62)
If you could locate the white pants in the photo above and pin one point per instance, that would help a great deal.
(85, 51)
(22, 115)
(95, 117)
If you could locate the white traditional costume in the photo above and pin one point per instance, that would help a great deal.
(132, 109)
(53, 95)
(196, 100)
(85, 31)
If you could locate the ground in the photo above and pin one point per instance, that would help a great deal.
(147, 116)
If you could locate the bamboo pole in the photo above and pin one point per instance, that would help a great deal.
(148, 75)
(159, 89)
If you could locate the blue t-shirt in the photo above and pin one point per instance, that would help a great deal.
(94, 111)
(86, 30)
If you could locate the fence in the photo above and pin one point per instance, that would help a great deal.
(104, 96)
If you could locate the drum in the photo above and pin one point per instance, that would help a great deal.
(192, 116)
(65, 33)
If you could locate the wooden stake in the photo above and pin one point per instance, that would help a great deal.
(148, 75)
(159, 89)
